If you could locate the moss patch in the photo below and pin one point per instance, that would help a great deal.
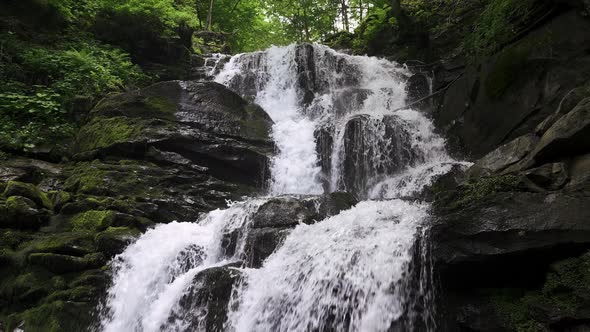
(564, 296)
(92, 220)
(104, 132)
(115, 179)
(28, 190)
(475, 190)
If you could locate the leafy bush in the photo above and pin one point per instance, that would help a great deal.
(498, 24)
(40, 84)
(372, 27)
(86, 68)
(27, 117)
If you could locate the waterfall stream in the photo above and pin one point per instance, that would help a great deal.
(336, 128)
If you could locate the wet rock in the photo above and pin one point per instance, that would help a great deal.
(503, 157)
(506, 222)
(274, 220)
(115, 239)
(579, 171)
(21, 213)
(204, 306)
(549, 176)
(204, 123)
(508, 94)
(261, 243)
(60, 264)
(28, 190)
(364, 137)
(569, 135)
(418, 87)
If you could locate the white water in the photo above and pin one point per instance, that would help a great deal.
(351, 272)
(295, 168)
(151, 274)
(344, 273)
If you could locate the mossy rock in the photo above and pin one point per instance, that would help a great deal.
(70, 243)
(104, 132)
(97, 278)
(60, 264)
(477, 189)
(101, 179)
(82, 293)
(564, 297)
(30, 191)
(21, 213)
(114, 240)
(158, 101)
(58, 198)
(92, 221)
(58, 316)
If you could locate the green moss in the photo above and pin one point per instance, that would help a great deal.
(92, 220)
(105, 132)
(21, 213)
(499, 23)
(114, 240)
(58, 316)
(115, 179)
(155, 102)
(58, 198)
(77, 294)
(69, 243)
(475, 190)
(64, 263)
(564, 294)
(506, 70)
(28, 190)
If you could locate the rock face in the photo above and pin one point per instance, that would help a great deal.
(168, 152)
(508, 94)
(513, 234)
(275, 219)
(205, 304)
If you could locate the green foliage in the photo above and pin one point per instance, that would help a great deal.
(170, 13)
(564, 293)
(375, 24)
(475, 190)
(498, 24)
(41, 84)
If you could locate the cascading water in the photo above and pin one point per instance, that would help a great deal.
(338, 126)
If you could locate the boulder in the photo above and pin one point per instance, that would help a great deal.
(205, 304)
(21, 213)
(28, 190)
(507, 222)
(276, 218)
(568, 136)
(114, 240)
(508, 94)
(203, 123)
(503, 157)
(61, 264)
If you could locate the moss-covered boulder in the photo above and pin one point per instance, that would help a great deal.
(28, 190)
(213, 128)
(60, 264)
(114, 239)
(21, 213)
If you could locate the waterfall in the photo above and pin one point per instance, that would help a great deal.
(339, 125)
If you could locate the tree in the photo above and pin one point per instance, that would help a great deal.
(209, 15)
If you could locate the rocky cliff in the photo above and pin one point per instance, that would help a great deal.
(167, 152)
(511, 235)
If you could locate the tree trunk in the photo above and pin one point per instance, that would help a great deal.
(360, 11)
(345, 15)
(210, 16)
(396, 8)
(306, 25)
